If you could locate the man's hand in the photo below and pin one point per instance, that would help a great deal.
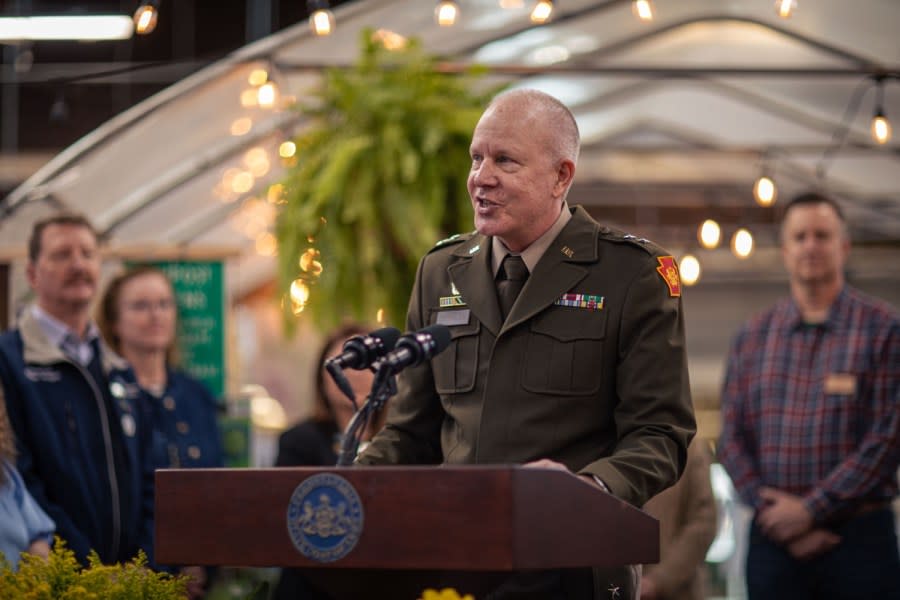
(39, 547)
(546, 463)
(813, 543)
(784, 517)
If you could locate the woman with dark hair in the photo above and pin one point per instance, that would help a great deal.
(137, 317)
(316, 441)
(24, 526)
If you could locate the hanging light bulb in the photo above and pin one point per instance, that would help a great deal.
(689, 269)
(446, 12)
(785, 8)
(764, 191)
(709, 234)
(881, 127)
(643, 10)
(321, 19)
(542, 11)
(267, 95)
(145, 18)
(742, 243)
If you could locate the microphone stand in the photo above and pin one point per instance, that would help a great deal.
(383, 387)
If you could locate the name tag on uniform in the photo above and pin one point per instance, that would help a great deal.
(453, 317)
(840, 383)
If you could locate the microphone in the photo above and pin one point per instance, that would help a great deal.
(413, 348)
(360, 351)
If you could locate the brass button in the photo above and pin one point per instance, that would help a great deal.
(182, 427)
(194, 452)
(169, 403)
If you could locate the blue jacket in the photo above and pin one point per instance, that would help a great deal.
(72, 434)
(185, 430)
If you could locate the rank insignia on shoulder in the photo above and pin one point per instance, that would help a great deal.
(668, 270)
(587, 301)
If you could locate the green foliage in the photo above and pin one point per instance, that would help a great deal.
(61, 577)
(379, 178)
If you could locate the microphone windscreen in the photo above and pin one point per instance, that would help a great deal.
(388, 337)
(440, 334)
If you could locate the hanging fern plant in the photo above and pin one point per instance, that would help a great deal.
(379, 177)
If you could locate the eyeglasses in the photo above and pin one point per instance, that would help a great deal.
(163, 305)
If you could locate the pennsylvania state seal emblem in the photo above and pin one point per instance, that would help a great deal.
(325, 517)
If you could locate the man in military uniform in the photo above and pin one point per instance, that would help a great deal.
(587, 371)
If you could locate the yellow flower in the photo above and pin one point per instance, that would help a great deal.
(444, 594)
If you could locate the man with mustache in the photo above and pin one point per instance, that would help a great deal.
(811, 423)
(73, 404)
(582, 369)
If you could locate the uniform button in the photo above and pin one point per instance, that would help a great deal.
(169, 403)
(182, 427)
(194, 452)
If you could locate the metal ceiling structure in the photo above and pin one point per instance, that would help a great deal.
(678, 117)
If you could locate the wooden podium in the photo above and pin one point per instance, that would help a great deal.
(426, 519)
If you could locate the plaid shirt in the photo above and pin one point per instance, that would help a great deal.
(814, 410)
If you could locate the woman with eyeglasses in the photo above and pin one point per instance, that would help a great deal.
(137, 316)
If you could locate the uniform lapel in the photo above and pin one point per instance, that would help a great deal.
(563, 265)
(473, 278)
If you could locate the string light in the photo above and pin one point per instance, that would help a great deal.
(643, 10)
(742, 243)
(145, 17)
(785, 8)
(689, 269)
(321, 19)
(765, 191)
(446, 12)
(542, 11)
(709, 234)
(267, 95)
(881, 127)
(287, 149)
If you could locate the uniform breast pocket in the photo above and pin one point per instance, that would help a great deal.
(565, 348)
(455, 368)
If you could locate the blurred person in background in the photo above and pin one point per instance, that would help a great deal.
(316, 441)
(137, 316)
(24, 526)
(74, 405)
(811, 424)
(687, 526)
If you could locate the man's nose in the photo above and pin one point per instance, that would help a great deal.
(484, 174)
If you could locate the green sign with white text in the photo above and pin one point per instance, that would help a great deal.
(200, 295)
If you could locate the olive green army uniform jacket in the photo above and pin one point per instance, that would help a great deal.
(601, 387)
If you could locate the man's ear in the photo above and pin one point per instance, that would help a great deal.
(564, 175)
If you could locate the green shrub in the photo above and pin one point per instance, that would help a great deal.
(61, 577)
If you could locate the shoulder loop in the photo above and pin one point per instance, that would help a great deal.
(614, 235)
(457, 238)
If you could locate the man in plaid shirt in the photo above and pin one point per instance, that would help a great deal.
(811, 424)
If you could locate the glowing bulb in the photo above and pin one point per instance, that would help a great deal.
(248, 98)
(267, 95)
(258, 77)
(710, 234)
(542, 11)
(299, 296)
(241, 126)
(446, 13)
(242, 182)
(742, 243)
(689, 269)
(379, 316)
(145, 18)
(322, 22)
(266, 244)
(764, 191)
(881, 128)
(642, 9)
(287, 149)
(785, 8)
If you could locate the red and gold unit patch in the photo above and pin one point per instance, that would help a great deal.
(668, 270)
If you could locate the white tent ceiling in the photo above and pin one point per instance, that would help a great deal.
(678, 118)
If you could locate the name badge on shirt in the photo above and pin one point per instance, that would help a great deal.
(453, 317)
(840, 383)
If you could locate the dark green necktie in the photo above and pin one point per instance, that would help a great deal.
(511, 278)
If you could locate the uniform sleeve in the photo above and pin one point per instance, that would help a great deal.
(411, 434)
(736, 446)
(654, 414)
(877, 456)
(38, 523)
